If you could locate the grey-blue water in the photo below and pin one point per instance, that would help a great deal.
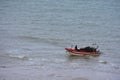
(34, 33)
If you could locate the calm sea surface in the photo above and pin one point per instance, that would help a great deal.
(35, 33)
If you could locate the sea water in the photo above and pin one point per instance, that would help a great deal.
(34, 33)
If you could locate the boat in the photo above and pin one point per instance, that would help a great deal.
(87, 51)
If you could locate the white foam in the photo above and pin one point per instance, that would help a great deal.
(102, 61)
(18, 56)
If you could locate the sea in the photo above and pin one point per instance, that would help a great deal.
(35, 33)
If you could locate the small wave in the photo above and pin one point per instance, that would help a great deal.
(102, 61)
(22, 57)
(115, 66)
(53, 41)
(29, 37)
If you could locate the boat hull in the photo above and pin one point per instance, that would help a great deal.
(72, 51)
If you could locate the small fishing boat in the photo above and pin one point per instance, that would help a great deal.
(87, 51)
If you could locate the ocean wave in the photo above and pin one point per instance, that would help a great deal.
(21, 57)
(46, 40)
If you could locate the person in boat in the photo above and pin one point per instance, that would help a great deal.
(86, 49)
(76, 48)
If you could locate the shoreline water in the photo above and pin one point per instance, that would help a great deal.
(38, 73)
(61, 66)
